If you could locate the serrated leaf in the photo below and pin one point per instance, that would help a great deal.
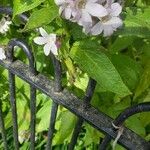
(21, 6)
(88, 56)
(38, 20)
(128, 69)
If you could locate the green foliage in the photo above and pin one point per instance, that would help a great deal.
(137, 23)
(21, 6)
(66, 122)
(38, 20)
(144, 81)
(128, 69)
(120, 64)
(98, 66)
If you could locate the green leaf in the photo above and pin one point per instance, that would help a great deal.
(67, 123)
(88, 56)
(21, 6)
(23, 114)
(38, 20)
(91, 136)
(44, 119)
(128, 69)
(137, 23)
(144, 82)
(121, 43)
(135, 124)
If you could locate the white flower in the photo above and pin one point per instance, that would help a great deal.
(87, 9)
(4, 25)
(109, 23)
(2, 54)
(80, 11)
(67, 8)
(48, 40)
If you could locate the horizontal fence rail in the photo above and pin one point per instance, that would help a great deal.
(97, 119)
(53, 89)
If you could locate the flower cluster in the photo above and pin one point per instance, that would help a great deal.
(95, 16)
(4, 25)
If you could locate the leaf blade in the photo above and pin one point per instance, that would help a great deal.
(99, 67)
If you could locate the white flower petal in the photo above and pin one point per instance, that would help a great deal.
(60, 2)
(52, 37)
(43, 32)
(47, 48)
(54, 49)
(115, 22)
(2, 54)
(92, 1)
(85, 19)
(97, 29)
(108, 30)
(116, 9)
(40, 40)
(67, 13)
(96, 10)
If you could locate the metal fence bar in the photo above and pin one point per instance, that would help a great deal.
(10, 55)
(8, 11)
(52, 125)
(12, 90)
(96, 118)
(87, 98)
(2, 128)
(33, 116)
(54, 109)
(128, 112)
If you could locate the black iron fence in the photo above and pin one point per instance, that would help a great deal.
(60, 96)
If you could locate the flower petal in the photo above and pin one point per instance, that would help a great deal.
(116, 9)
(96, 10)
(115, 22)
(43, 32)
(67, 13)
(52, 37)
(92, 1)
(85, 19)
(40, 40)
(59, 2)
(54, 49)
(47, 48)
(108, 30)
(97, 29)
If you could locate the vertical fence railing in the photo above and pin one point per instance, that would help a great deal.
(10, 56)
(12, 90)
(57, 88)
(2, 128)
(87, 98)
